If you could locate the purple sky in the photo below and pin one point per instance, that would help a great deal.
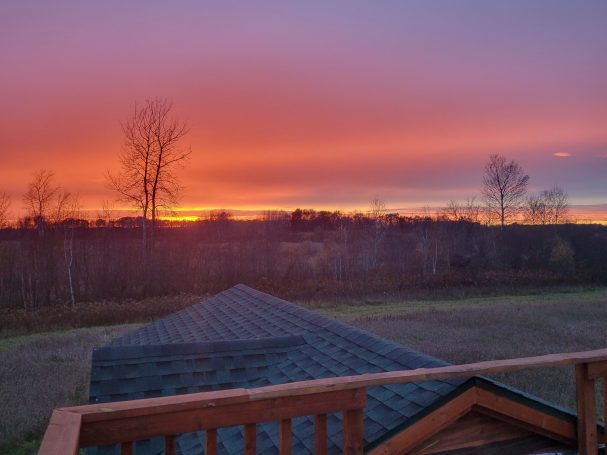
(315, 103)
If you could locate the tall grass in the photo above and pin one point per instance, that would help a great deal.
(469, 333)
(40, 373)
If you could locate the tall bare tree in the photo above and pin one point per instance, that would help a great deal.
(5, 204)
(504, 187)
(149, 158)
(169, 155)
(39, 197)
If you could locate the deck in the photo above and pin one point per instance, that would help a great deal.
(124, 422)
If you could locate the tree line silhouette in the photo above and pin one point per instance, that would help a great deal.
(303, 254)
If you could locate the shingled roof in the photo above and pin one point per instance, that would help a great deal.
(245, 338)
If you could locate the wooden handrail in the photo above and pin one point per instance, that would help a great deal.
(118, 422)
(426, 374)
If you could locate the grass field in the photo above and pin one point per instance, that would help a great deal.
(44, 370)
(39, 373)
(496, 328)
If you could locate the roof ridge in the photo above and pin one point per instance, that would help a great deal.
(202, 347)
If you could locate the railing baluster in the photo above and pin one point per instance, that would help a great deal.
(285, 437)
(353, 425)
(126, 448)
(586, 411)
(210, 442)
(605, 402)
(320, 434)
(250, 439)
(169, 445)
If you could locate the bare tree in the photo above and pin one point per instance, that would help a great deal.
(39, 196)
(5, 204)
(469, 210)
(377, 208)
(67, 211)
(168, 133)
(547, 207)
(105, 216)
(66, 205)
(535, 210)
(377, 212)
(132, 182)
(150, 155)
(504, 187)
(558, 204)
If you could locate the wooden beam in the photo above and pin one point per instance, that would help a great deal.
(484, 402)
(526, 417)
(470, 431)
(586, 412)
(151, 406)
(353, 431)
(285, 437)
(62, 434)
(135, 427)
(320, 434)
(415, 434)
(250, 439)
(210, 442)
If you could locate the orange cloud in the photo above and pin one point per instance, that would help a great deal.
(562, 154)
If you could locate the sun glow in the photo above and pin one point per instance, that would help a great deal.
(180, 218)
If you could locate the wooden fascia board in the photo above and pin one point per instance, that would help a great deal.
(526, 417)
(428, 425)
(485, 402)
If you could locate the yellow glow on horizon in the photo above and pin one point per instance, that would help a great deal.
(180, 218)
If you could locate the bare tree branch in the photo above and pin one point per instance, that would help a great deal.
(38, 197)
(149, 158)
(504, 187)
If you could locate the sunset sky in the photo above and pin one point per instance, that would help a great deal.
(319, 104)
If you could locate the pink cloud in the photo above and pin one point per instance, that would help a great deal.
(562, 154)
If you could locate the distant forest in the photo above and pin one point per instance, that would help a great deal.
(303, 254)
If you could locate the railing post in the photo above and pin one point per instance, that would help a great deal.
(353, 427)
(605, 400)
(285, 437)
(586, 411)
(320, 434)
(126, 448)
(169, 445)
(210, 442)
(250, 439)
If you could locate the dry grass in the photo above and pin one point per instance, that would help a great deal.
(506, 328)
(41, 372)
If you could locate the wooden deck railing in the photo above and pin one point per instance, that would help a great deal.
(128, 421)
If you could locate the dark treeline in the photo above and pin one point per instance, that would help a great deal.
(304, 254)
